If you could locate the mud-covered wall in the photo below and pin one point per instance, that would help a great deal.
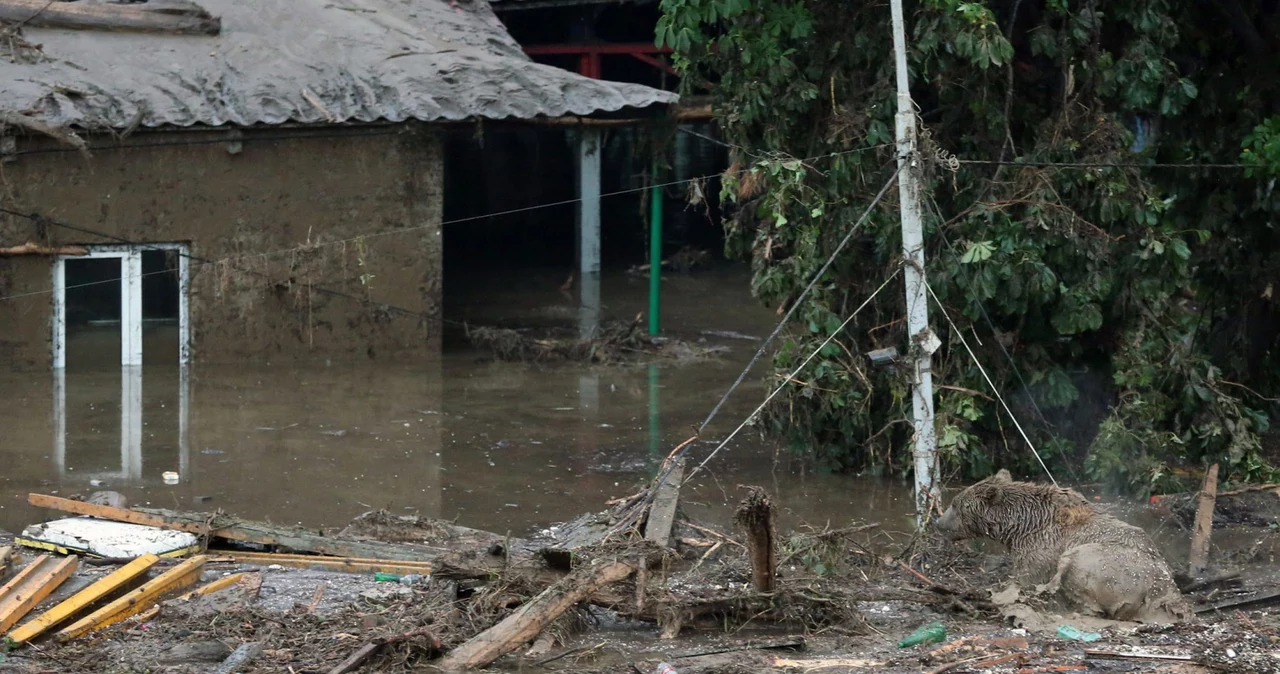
(306, 244)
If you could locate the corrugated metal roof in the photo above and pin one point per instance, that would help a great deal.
(361, 60)
(509, 5)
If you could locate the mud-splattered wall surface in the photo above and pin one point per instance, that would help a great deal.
(303, 244)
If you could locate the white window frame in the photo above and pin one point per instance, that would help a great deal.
(130, 257)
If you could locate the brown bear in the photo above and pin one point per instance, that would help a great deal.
(1060, 542)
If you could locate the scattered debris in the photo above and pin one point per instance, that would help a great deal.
(219, 526)
(612, 342)
(528, 620)
(477, 596)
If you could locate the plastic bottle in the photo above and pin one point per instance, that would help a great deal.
(386, 577)
(664, 668)
(1074, 634)
(933, 633)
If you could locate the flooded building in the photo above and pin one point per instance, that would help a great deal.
(254, 180)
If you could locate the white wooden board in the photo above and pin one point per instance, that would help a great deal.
(104, 538)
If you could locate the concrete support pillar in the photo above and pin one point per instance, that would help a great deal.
(588, 156)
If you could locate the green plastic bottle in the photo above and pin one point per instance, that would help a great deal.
(933, 633)
(1075, 634)
(386, 577)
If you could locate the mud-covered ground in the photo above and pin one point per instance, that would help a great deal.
(845, 598)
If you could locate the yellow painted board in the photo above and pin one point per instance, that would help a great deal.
(216, 586)
(84, 598)
(37, 581)
(273, 556)
(176, 579)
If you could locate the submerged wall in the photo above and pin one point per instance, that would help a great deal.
(295, 236)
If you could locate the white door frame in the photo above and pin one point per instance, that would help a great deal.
(130, 257)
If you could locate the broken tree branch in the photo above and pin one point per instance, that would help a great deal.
(1204, 523)
(157, 16)
(366, 651)
(755, 516)
(30, 248)
(531, 618)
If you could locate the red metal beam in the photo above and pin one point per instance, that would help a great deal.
(596, 49)
(656, 63)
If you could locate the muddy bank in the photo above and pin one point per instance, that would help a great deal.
(843, 598)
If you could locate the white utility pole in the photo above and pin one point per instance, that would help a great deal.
(923, 341)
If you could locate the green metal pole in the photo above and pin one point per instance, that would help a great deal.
(655, 252)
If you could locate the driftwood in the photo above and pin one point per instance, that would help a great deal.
(1248, 490)
(1204, 523)
(156, 16)
(217, 526)
(755, 515)
(33, 125)
(532, 617)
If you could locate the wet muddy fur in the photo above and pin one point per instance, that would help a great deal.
(1062, 545)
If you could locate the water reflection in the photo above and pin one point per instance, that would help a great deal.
(493, 445)
(80, 432)
(499, 446)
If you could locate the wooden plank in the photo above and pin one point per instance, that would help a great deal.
(526, 622)
(1204, 523)
(84, 598)
(115, 514)
(229, 528)
(215, 586)
(176, 579)
(156, 16)
(29, 588)
(340, 564)
(1241, 604)
(662, 514)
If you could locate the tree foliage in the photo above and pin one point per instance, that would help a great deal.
(1124, 306)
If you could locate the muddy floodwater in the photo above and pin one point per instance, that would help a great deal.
(496, 446)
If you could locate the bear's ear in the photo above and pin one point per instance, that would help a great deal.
(1002, 476)
(989, 494)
